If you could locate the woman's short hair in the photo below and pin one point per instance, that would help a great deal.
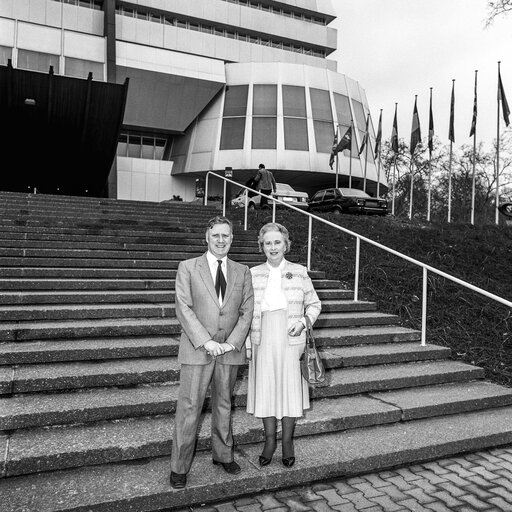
(274, 226)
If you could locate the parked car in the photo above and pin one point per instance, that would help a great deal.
(347, 200)
(284, 192)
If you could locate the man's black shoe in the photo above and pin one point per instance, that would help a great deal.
(178, 480)
(229, 467)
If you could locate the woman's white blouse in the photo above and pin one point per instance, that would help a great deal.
(274, 297)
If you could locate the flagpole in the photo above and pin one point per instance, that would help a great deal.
(497, 200)
(395, 129)
(451, 156)
(366, 150)
(473, 184)
(352, 136)
(412, 187)
(379, 158)
(394, 180)
(429, 193)
(337, 161)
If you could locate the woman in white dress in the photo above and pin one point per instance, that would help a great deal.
(283, 295)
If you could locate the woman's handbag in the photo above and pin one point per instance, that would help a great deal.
(311, 365)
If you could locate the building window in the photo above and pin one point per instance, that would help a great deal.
(141, 146)
(264, 100)
(5, 55)
(264, 112)
(232, 134)
(322, 119)
(80, 68)
(264, 132)
(234, 115)
(38, 61)
(295, 122)
(235, 101)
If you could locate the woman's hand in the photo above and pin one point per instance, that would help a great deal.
(296, 329)
(248, 353)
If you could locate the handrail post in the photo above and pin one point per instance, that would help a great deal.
(224, 200)
(246, 208)
(424, 309)
(273, 210)
(356, 278)
(206, 189)
(310, 233)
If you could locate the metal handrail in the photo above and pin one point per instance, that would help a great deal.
(426, 268)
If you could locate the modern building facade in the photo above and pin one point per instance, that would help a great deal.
(212, 84)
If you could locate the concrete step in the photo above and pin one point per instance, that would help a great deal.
(80, 349)
(30, 352)
(144, 484)
(341, 336)
(92, 405)
(61, 199)
(101, 327)
(160, 309)
(182, 244)
(138, 233)
(122, 260)
(135, 372)
(40, 449)
(100, 232)
(75, 278)
(111, 296)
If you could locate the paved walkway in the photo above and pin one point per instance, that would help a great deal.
(480, 481)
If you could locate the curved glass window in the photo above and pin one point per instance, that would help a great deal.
(264, 132)
(264, 101)
(264, 116)
(322, 119)
(233, 122)
(295, 122)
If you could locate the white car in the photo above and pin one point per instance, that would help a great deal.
(283, 192)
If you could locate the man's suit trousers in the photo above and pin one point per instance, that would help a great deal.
(194, 381)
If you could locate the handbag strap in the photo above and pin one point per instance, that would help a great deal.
(310, 338)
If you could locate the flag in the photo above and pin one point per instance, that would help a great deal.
(473, 121)
(451, 131)
(334, 144)
(503, 99)
(365, 137)
(344, 143)
(379, 136)
(415, 129)
(394, 134)
(430, 126)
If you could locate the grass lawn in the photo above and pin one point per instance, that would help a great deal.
(478, 329)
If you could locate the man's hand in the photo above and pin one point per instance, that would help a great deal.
(213, 348)
(296, 329)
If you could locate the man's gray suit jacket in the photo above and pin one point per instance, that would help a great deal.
(201, 316)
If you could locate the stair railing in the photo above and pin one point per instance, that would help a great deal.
(426, 268)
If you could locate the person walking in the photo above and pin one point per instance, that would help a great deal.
(214, 305)
(283, 296)
(266, 184)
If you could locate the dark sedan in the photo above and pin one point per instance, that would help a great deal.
(347, 200)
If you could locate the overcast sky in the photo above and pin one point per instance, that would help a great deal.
(396, 49)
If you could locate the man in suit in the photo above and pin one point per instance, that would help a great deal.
(214, 305)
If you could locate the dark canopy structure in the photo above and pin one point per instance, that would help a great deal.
(60, 132)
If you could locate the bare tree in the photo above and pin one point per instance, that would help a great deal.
(498, 8)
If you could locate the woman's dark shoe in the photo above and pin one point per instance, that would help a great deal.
(288, 462)
(265, 461)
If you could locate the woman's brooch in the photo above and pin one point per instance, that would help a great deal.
(288, 275)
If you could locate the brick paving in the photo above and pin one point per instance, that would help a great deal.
(476, 482)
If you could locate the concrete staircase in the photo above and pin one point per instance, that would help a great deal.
(88, 370)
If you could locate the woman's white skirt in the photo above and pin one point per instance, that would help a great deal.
(275, 384)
